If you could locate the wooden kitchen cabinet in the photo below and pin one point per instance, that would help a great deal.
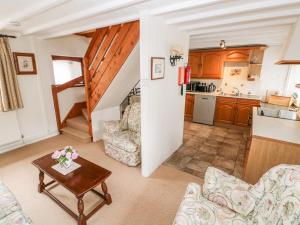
(212, 65)
(189, 107)
(195, 62)
(243, 113)
(237, 56)
(234, 110)
(225, 110)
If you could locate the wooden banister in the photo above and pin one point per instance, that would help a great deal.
(106, 54)
(59, 88)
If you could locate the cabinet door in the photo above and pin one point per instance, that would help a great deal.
(225, 110)
(195, 64)
(237, 56)
(212, 65)
(242, 117)
(244, 111)
(189, 107)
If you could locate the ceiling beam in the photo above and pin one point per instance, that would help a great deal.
(249, 18)
(92, 11)
(89, 26)
(272, 30)
(242, 37)
(195, 45)
(182, 6)
(37, 8)
(245, 26)
(242, 8)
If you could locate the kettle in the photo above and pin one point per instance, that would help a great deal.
(211, 87)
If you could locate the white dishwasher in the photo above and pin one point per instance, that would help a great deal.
(204, 109)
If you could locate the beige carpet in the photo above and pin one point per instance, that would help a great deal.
(136, 200)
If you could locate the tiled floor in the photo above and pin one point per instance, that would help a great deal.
(221, 147)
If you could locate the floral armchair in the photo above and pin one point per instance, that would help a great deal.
(10, 210)
(122, 138)
(226, 200)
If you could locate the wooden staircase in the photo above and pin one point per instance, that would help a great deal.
(77, 128)
(107, 52)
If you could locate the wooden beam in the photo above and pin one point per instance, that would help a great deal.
(28, 12)
(79, 15)
(242, 19)
(96, 61)
(123, 52)
(267, 24)
(112, 52)
(71, 83)
(91, 25)
(184, 5)
(224, 11)
(56, 107)
(70, 58)
(288, 62)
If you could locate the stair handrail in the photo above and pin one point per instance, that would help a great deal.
(59, 88)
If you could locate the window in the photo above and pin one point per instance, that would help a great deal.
(66, 68)
(293, 78)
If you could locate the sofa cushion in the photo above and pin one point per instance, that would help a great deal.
(125, 140)
(228, 191)
(15, 218)
(134, 118)
(111, 126)
(124, 120)
(8, 202)
(280, 201)
(197, 210)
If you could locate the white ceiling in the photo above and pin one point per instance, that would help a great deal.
(238, 22)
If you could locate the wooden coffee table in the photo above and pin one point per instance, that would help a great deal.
(79, 182)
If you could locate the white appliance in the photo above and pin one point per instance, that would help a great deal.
(204, 109)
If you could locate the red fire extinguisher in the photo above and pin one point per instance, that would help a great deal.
(184, 76)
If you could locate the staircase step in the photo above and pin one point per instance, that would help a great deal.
(85, 113)
(79, 123)
(76, 134)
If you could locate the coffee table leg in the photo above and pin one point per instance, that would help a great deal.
(81, 218)
(41, 186)
(106, 194)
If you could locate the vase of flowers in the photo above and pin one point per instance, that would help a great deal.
(66, 156)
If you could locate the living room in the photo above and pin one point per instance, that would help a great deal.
(135, 50)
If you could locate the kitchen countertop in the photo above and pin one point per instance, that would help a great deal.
(243, 96)
(275, 128)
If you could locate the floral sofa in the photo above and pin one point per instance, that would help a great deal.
(10, 210)
(226, 200)
(122, 138)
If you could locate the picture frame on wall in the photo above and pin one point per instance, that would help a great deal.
(157, 68)
(25, 63)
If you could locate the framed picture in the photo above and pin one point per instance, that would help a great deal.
(25, 63)
(157, 68)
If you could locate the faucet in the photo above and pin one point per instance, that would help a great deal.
(237, 91)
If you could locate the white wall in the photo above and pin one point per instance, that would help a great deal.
(273, 76)
(37, 119)
(108, 108)
(162, 106)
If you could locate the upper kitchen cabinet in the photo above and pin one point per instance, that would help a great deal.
(212, 65)
(237, 56)
(195, 62)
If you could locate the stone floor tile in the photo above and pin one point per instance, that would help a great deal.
(223, 163)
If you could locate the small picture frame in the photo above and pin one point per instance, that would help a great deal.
(157, 68)
(25, 63)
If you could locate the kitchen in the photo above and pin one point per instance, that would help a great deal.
(224, 100)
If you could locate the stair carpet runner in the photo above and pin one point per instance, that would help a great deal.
(77, 128)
